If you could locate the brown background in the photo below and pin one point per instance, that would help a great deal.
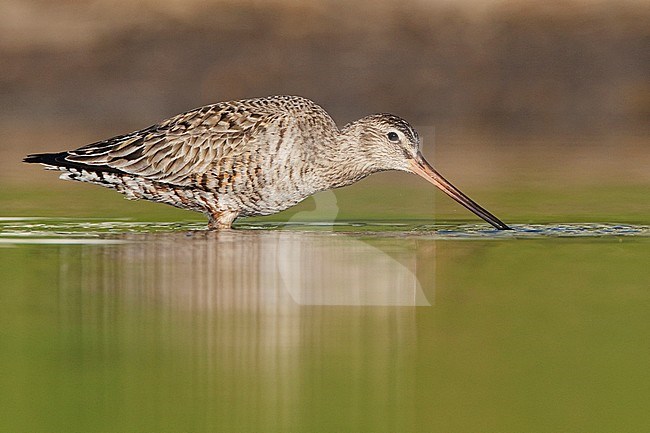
(487, 75)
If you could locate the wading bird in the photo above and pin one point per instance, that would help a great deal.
(250, 157)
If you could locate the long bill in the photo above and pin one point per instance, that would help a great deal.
(423, 169)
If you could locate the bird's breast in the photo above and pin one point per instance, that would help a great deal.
(262, 182)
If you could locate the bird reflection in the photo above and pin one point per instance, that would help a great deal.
(250, 315)
(261, 269)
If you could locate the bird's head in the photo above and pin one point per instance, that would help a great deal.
(383, 142)
(387, 142)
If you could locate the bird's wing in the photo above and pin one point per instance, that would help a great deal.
(180, 149)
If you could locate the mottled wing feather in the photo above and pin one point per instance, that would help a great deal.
(179, 150)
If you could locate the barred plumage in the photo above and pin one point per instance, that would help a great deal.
(248, 157)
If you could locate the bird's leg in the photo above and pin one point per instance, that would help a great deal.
(221, 220)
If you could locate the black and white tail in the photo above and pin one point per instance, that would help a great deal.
(133, 187)
(72, 170)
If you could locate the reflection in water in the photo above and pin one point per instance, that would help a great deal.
(246, 312)
(345, 271)
(160, 329)
(221, 270)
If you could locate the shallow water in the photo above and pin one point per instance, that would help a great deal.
(35, 228)
(346, 326)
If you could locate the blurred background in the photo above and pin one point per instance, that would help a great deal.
(509, 95)
(114, 318)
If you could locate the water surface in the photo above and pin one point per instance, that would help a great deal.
(346, 326)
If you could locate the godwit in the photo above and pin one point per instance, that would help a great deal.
(250, 157)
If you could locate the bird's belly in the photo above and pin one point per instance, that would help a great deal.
(252, 185)
(264, 198)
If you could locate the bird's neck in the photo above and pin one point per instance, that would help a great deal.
(346, 160)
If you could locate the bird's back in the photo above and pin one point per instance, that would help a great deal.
(251, 155)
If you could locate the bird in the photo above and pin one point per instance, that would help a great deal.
(250, 157)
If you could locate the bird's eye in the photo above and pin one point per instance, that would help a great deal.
(393, 137)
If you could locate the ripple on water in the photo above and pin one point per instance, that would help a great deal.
(546, 230)
(75, 231)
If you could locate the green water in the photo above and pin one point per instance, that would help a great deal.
(380, 324)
